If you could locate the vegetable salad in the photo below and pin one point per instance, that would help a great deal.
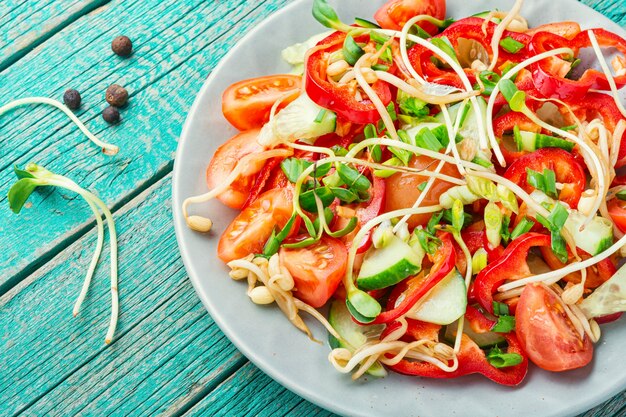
(451, 189)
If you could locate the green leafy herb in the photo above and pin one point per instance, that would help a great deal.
(505, 233)
(328, 218)
(273, 243)
(402, 154)
(307, 199)
(326, 15)
(353, 178)
(511, 45)
(412, 106)
(294, 167)
(499, 359)
(362, 306)
(391, 109)
(427, 241)
(489, 80)
(344, 194)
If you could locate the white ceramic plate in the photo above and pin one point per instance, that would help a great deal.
(270, 341)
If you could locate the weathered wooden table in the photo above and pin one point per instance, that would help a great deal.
(168, 356)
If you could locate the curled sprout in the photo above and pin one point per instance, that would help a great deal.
(35, 176)
(107, 148)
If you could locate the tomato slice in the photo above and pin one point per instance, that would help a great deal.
(617, 211)
(249, 231)
(317, 270)
(402, 190)
(395, 13)
(568, 172)
(247, 104)
(340, 98)
(547, 334)
(224, 161)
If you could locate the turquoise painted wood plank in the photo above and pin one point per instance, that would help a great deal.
(26, 24)
(249, 392)
(176, 45)
(167, 350)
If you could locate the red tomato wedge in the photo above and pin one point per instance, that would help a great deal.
(317, 270)
(395, 13)
(247, 104)
(547, 334)
(224, 161)
(567, 170)
(617, 211)
(401, 189)
(249, 231)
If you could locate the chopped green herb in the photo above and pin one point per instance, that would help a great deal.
(344, 194)
(320, 116)
(391, 108)
(568, 128)
(422, 186)
(273, 243)
(505, 324)
(621, 195)
(511, 45)
(515, 97)
(379, 38)
(522, 227)
(499, 359)
(500, 309)
(412, 106)
(427, 140)
(545, 182)
(352, 51)
(434, 221)
(380, 67)
(505, 233)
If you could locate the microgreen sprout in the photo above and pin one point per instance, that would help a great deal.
(35, 176)
(107, 148)
(327, 16)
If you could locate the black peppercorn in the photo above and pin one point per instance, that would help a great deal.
(116, 95)
(71, 98)
(111, 114)
(122, 46)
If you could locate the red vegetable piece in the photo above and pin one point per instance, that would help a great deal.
(567, 170)
(511, 265)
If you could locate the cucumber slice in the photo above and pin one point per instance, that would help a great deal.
(595, 238)
(453, 110)
(445, 303)
(483, 340)
(485, 15)
(386, 266)
(469, 128)
(531, 141)
(301, 119)
(353, 335)
(608, 298)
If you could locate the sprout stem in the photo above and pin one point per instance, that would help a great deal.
(107, 148)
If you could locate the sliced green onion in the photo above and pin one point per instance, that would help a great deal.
(479, 261)
(434, 221)
(499, 359)
(380, 67)
(351, 50)
(489, 80)
(511, 45)
(515, 97)
(425, 138)
(422, 186)
(545, 182)
(379, 38)
(500, 309)
(522, 227)
(386, 173)
(444, 44)
(391, 109)
(482, 162)
(320, 116)
(621, 195)
(493, 224)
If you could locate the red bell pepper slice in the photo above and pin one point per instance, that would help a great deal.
(371, 210)
(506, 123)
(511, 265)
(472, 359)
(340, 99)
(261, 180)
(603, 106)
(470, 29)
(567, 170)
(415, 288)
(605, 39)
(549, 74)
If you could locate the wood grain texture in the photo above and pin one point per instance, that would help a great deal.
(27, 24)
(176, 45)
(250, 392)
(166, 348)
(168, 357)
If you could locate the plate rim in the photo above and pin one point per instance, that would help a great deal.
(179, 226)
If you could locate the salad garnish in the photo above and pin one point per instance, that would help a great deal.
(451, 188)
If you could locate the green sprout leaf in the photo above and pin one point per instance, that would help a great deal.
(326, 15)
(20, 191)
